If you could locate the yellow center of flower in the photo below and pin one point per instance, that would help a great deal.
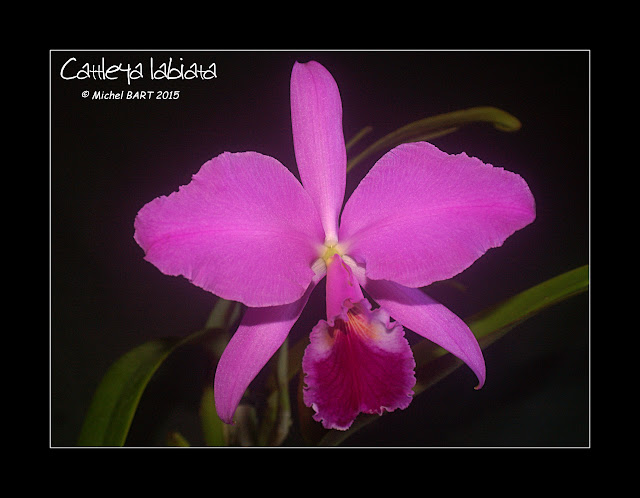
(330, 248)
(326, 252)
(329, 252)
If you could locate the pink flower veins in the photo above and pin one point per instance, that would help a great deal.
(245, 229)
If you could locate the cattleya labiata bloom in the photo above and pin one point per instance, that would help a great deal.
(247, 230)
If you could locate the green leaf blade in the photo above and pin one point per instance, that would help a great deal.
(116, 399)
(507, 314)
(439, 125)
(212, 427)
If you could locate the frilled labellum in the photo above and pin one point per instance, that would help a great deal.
(357, 361)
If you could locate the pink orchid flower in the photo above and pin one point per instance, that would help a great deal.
(247, 230)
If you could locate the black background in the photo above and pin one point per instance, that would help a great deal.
(110, 157)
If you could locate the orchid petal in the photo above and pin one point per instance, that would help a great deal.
(243, 229)
(260, 334)
(421, 215)
(357, 363)
(416, 311)
(318, 139)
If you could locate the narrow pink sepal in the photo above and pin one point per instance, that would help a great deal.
(416, 311)
(357, 363)
(421, 215)
(318, 139)
(259, 335)
(244, 229)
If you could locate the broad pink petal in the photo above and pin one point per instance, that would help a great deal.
(318, 139)
(421, 215)
(416, 311)
(244, 229)
(259, 335)
(361, 363)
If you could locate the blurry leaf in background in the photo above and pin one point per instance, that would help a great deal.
(433, 127)
(116, 398)
(213, 429)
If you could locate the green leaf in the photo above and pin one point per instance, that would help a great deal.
(212, 427)
(435, 126)
(358, 136)
(277, 417)
(177, 440)
(116, 399)
(114, 403)
(494, 322)
(434, 363)
(224, 314)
